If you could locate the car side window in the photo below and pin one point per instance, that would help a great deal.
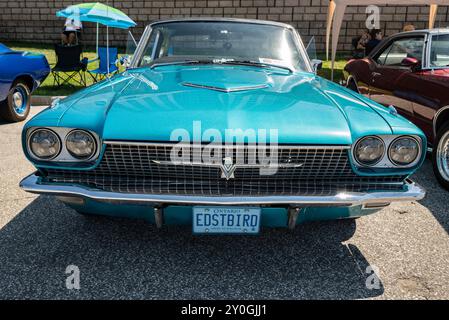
(152, 49)
(383, 56)
(398, 50)
(439, 53)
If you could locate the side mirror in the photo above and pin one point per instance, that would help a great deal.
(316, 65)
(125, 61)
(410, 62)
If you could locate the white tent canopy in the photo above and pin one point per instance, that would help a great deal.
(336, 12)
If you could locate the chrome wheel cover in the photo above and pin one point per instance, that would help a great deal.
(443, 156)
(19, 101)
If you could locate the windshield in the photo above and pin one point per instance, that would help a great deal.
(439, 52)
(222, 42)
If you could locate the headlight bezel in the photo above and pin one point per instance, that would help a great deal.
(30, 149)
(414, 160)
(386, 162)
(64, 156)
(377, 161)
(89, 134)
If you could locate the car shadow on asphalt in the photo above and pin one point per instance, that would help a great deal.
(2, 122)
(123, 258)
(436, 199)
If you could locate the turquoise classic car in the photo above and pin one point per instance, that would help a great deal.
(222, 124)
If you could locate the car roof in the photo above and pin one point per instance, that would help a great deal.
(220, 19)
(423, 31)
(439, 30)
(407, 33)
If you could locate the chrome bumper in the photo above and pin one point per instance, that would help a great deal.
(412, 191)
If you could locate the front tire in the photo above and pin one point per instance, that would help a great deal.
(440, 156)
(16, 107)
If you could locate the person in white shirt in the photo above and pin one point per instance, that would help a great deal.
(71, 31)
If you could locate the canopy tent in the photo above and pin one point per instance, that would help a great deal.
(337, 10)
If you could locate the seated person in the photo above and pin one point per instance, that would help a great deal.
(376, 38)
(71, 31)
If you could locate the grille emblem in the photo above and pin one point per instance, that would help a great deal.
(227, 168)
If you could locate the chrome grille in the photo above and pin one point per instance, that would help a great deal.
(304, 170)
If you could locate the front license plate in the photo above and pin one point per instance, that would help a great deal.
(226, 220)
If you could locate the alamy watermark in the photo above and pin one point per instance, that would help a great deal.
(73, 279)
(373, 19)
(228, 149)
(372, 281)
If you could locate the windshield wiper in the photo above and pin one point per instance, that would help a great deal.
(255, 64)
(221, 61)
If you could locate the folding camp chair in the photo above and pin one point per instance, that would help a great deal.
(102, 71)
(68, 65)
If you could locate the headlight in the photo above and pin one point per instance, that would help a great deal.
(44, 144)
(369, 150)
(81, 144)
(403, 151)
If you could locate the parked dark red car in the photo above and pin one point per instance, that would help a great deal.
(410, 71)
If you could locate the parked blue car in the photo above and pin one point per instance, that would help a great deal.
(223, 124)
(20, 74)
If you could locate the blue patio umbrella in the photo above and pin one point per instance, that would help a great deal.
(100, 14)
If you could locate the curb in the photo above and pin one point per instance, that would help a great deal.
(44, 100)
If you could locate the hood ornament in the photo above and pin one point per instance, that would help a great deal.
(227, 168)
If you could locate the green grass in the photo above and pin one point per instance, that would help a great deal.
(325, 72)
(340, 63)
(48, 89)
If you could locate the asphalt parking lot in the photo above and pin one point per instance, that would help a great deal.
(407, 243)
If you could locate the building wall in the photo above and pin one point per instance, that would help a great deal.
(35, 21)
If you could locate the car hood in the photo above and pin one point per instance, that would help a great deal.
(162, 103)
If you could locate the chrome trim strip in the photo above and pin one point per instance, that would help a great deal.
(140, 47)
(425, 64)
(222, 19)
(153, 52)
(238, 165)
(164, 144)
(412, 192)
(302, 49)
